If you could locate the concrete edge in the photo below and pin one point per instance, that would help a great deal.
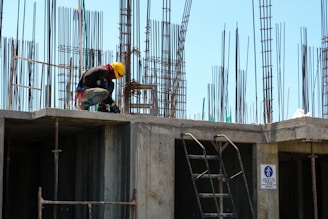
(10, 114)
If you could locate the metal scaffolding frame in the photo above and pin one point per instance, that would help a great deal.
(42, 202)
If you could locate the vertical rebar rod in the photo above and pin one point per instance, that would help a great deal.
(255, 64)
(178, 70)
(147, 42)
(305, 72)
(1, 15)
(69, 84)
(236, 77)
(12, 72)
(80, 37)
(324, 58)
(31, 66)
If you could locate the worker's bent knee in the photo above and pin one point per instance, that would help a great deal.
(95, 95)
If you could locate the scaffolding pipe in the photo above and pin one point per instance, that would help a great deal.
(313, 177)
(56, 158)
(7, 183)
(42, 202)
(39, 62)
(314, 183)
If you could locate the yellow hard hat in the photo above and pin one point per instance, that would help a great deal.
(119, 69)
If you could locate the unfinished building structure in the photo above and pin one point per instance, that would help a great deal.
(98, 165)
(61, 163)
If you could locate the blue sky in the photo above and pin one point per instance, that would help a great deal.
(203, 41)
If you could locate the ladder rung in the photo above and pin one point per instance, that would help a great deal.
(210, 195)
(202, 157)
(220, 215)
(237, 174)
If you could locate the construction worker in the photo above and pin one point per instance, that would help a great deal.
(96, 87)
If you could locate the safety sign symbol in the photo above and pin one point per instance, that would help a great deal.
(268, 176)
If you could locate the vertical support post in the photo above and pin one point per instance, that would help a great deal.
(40, 203)
(6, 177)
(221, 180)
(314, 183)
(90, 210)
(56, 158)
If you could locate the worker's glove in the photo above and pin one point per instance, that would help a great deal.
(113, 108)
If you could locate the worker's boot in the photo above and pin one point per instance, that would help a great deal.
(84, 106)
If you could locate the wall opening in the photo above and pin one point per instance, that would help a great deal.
(295, 185)
(185, 199)
(29, 164)
(21, 179)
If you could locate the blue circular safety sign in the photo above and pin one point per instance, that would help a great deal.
(268, 171)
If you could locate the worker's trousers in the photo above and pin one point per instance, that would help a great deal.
(93, 96)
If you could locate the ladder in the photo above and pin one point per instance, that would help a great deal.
(210, 180)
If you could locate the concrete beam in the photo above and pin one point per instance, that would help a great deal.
(296, 129)
(304, 147)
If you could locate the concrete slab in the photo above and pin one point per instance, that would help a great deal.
(296, 129)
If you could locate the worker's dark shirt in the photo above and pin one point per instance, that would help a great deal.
(101, 73)
(93, 75)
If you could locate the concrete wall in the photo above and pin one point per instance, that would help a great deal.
(267, 199)
(153, 169)
(117, 170)
(106, 157)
